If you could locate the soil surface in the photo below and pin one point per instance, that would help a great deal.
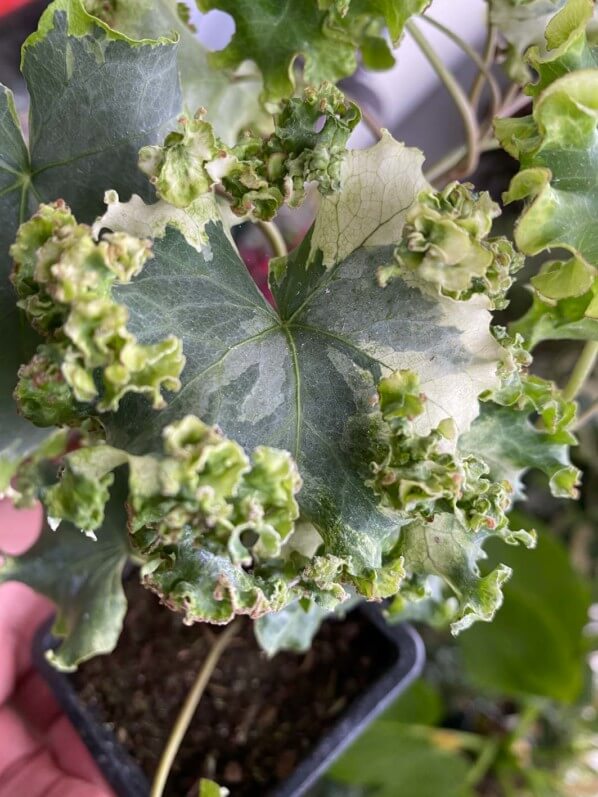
(258, 717)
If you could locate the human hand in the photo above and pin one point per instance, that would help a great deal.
(41, 755)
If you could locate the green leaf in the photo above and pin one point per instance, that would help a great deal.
(18, 437)
(208, 522)
(130, 91)
(258, 174)
(566, 48)
(301, 379)
(511, 445)
(64, 280)
(421, 704)
(207, 788)
(543, 615)
(210, 587)
(394, 759)
(522, 23)
(573, 318)
(293, 628)
(394, 12)
(82, 576)
(231, 100)
(444, 547)
(556, 149)
(446, 244)
(449, 499)
(324, 34)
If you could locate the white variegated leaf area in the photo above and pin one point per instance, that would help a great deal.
(302, 377)
(379, 185)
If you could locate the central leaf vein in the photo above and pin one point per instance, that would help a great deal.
(297, 375)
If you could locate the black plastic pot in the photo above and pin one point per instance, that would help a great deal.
(401, 654)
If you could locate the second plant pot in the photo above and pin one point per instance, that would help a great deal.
(267, 727)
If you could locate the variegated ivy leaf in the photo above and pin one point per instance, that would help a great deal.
(445, 244)
(525, 424)
(522, 24)
(231, 99)
(446, 548)
(293, 628)
(451, 495)
(208, 521)
(258, 174)
(302, 377)
(511, 445)
(82, 576)
(129, 90)
(556, 149)
(64, 280)
(326, 34)
(564, 306)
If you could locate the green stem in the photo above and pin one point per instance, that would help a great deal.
(448, 162)
(188, 710)
(483, 762)
(527, 718)
(459, 97)
(586, 416)
(274, 238)
(583, 368)
(488, 58)
(484, 74)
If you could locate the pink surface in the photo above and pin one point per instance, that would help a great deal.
(7, 6)
(40, 753)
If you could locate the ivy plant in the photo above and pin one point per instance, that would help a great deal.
(362, 436)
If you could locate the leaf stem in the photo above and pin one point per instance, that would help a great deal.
(483, 65)
(447, 163)
(483, 762)
(488, 59)
(371, 122)
(457, 94)
(586, 416)
(274, 237)
(188, 710)
(583, 368)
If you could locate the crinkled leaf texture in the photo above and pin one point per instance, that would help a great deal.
(511, 445)
(446, 548)
(556, 147)
(303, 378)
(82, 576)
(129, 91)
(326, 34)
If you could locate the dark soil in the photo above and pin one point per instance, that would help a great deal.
(258, 718)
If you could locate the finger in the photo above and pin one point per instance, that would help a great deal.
(71, 755)
(36, 704)
(21, 612)
(33, 700)
(27, 768)
(19, 528)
